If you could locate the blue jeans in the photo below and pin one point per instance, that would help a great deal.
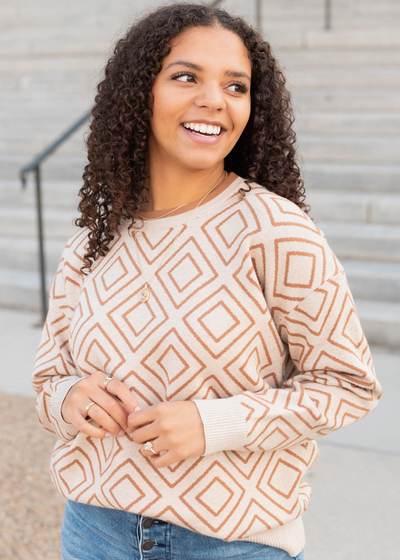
(95, 533)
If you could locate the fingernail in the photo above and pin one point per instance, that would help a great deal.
(121, 433)
(108, 434)
(129, 430)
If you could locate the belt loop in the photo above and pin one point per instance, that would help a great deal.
(140, 534)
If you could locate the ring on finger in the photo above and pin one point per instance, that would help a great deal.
(88, 407)
(149, 447)
(107, 381)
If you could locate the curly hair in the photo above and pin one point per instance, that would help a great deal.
(117, 143)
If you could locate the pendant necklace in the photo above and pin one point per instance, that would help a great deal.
(145, 292)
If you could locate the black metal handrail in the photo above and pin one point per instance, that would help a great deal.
(34, 165)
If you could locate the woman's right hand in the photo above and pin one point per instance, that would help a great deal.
(111, 409)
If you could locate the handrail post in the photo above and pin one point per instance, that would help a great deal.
(328, 14)
(258, 15)
(42, 265)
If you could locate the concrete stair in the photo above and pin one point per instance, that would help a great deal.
(345, 93)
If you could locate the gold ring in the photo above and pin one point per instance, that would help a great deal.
(88, 406)
(107, 381)
(149, 447)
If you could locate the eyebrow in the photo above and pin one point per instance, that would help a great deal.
(231, 73)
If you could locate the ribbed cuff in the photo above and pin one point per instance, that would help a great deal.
(224, 422)
(65, 430)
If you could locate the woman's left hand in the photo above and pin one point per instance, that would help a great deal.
(174, 428)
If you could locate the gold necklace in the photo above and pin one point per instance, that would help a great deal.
(158, 217)
(145, 292)
(177, 208)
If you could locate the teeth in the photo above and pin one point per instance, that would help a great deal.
(203, 128)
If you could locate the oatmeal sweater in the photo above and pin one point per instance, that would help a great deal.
(251, 317)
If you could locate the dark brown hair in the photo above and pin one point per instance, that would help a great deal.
(117, 143)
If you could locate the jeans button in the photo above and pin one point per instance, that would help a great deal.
(148, 545)
(147, 522)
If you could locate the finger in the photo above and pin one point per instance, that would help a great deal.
(140, 417)
(121, 391)
(156, 446)
(111, 406)
(164, 459)
(102, 418)
(145, 433)
(85, 427)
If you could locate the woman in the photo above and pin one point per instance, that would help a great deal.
(201, 334)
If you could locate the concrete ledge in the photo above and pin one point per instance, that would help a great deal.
(352, 177)
(377, 281)
(381, 322)
(354, 207)
(363, 241)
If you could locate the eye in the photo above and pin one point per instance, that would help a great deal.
(182, 74)
(242, 87)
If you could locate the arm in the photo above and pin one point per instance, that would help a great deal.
(332, 385)
(54, 371)
(61, 401)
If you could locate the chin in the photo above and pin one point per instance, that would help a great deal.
(202, 162)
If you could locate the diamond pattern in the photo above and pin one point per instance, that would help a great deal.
(248, 305)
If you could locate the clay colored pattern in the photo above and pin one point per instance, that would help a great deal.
(251, 317)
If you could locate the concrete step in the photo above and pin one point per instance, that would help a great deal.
(21, 253)
(42, 66)
(348, 123)
(38, 140)
(33, 103)
(364, 177)
(345, 99)
(386, 77)
(380, 322)
(345, 149)
(353, 38)
(306, 59)
(64, 167)
(342, 36)
(363, 241)
(67, 40)
(48, 83)
(55, 194)
(378, 281)
(354, 207)
(20, 221)
(21, 290)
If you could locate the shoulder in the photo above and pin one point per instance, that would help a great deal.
(291, 243)
(277, 217)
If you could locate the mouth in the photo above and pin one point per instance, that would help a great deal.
(203, 130)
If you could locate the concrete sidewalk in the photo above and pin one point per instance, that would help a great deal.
(355, 502)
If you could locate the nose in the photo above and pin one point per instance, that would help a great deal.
(211, 97)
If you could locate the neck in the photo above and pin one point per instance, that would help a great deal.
(175, 187)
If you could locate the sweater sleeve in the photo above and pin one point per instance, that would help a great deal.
(332, 383)
(54, 370)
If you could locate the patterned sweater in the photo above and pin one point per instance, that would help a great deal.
(251, 317)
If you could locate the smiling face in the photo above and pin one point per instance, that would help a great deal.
(205, 80)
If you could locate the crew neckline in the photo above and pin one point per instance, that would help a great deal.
(149, 215)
